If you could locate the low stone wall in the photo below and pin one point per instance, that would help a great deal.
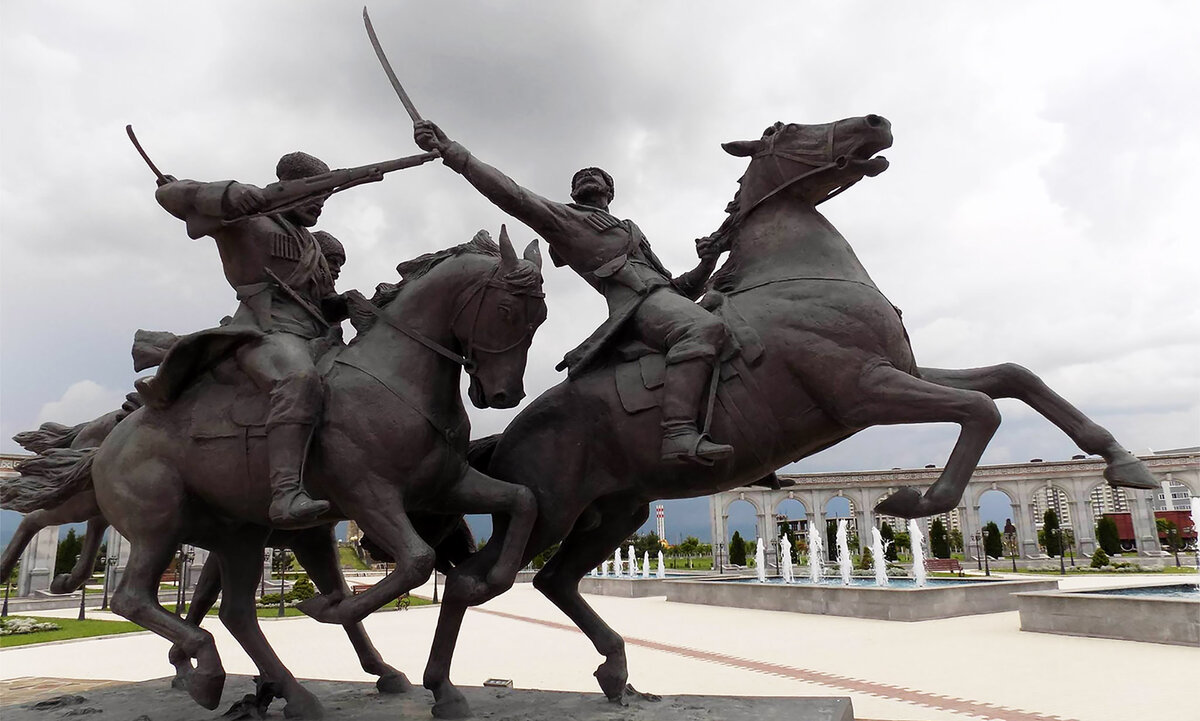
(1128, 618)
(888, 604)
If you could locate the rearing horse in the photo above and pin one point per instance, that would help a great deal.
(393, 441)
(832, 358)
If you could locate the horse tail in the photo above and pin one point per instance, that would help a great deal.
(48, 480)
(479, 452)
(48, 436)
(52, 435)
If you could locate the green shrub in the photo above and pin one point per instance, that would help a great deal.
(302, 590)
(1099, 558)
(737, 550)
(1108, 536)
(865, 561)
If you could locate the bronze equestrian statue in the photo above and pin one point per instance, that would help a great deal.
(615, 258)
(393, 440)
(818, 354)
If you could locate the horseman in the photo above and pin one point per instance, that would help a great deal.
(615, 258)
(282, 280)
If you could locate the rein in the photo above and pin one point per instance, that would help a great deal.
(467, 361)
(831, 163)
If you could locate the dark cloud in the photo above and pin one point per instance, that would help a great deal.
(1038, 208)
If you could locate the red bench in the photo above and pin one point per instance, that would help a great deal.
(944, 564)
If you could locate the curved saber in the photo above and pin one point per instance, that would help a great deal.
(387, 68)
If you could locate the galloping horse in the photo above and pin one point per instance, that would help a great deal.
(315, 547)
(393, 441)
(824, 355)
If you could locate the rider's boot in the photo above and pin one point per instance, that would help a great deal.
(287, 445)
(683, 389)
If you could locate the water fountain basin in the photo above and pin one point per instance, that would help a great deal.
(1164, 613)
(626, 587)
(940, 598)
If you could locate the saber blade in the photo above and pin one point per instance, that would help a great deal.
(387, 68)
(162, 179)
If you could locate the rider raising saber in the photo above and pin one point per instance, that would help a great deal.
(615, 258)
(281, 278)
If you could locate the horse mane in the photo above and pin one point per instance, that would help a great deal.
(723, 279)
(47, 436)
(410, 270)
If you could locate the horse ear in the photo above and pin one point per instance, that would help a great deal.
(743, 148)
(508, 255)
(532, 254)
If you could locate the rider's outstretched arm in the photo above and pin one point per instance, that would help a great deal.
(542, 215)
(205, 205)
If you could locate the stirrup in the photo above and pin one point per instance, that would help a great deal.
(694, 454)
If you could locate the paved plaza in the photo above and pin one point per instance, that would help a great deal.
(961, 668)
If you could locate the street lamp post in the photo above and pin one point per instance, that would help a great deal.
(82, 591)
(435, 596)
(1062, 566)
(186, 556)
(262, 579)
(978, 545)
(7, 585)
(1012, 547)
(282, 576)
(108, 564)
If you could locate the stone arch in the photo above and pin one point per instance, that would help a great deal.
(1058, 497)
(752, 500)
(735, 520)
(796, 511)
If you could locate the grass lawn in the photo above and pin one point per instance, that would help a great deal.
(71, 628)
(698, 563)
(1086, 570)
(349, 559)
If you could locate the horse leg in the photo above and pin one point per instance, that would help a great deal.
(479, 493)
(889, 396)
(80, 507)
(1009, 380)
(463, 584)
(583, 549)
(316, 549)
(204, 597)
(240, 569)
(380, 513)
(82, 570)
(136, 598)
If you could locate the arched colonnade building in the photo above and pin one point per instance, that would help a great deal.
(1076, 489)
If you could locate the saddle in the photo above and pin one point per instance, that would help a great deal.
(232, 406)
(640, 372)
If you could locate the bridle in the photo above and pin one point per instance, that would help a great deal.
(467, 360)
(481, 288)
(819, 162)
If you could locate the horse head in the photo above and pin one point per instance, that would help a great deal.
(495, 323)
(810, 162)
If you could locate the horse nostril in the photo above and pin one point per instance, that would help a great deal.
(499, 397)
(874, 121)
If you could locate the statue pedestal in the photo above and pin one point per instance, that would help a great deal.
(360, 701)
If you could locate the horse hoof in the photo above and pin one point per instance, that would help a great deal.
(322, 608)
(450, 704)
(612, 675)
(183, 674)
(904, 503)
(205, 689)
(303, 705)
(1126, 472)
(61, 584)
(393, 683)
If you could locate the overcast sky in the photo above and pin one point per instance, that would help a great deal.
(1040, 205)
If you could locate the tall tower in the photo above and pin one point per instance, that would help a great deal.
(661, 517)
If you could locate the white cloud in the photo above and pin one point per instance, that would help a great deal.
(82, 401)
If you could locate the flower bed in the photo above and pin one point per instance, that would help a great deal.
(19, 624)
